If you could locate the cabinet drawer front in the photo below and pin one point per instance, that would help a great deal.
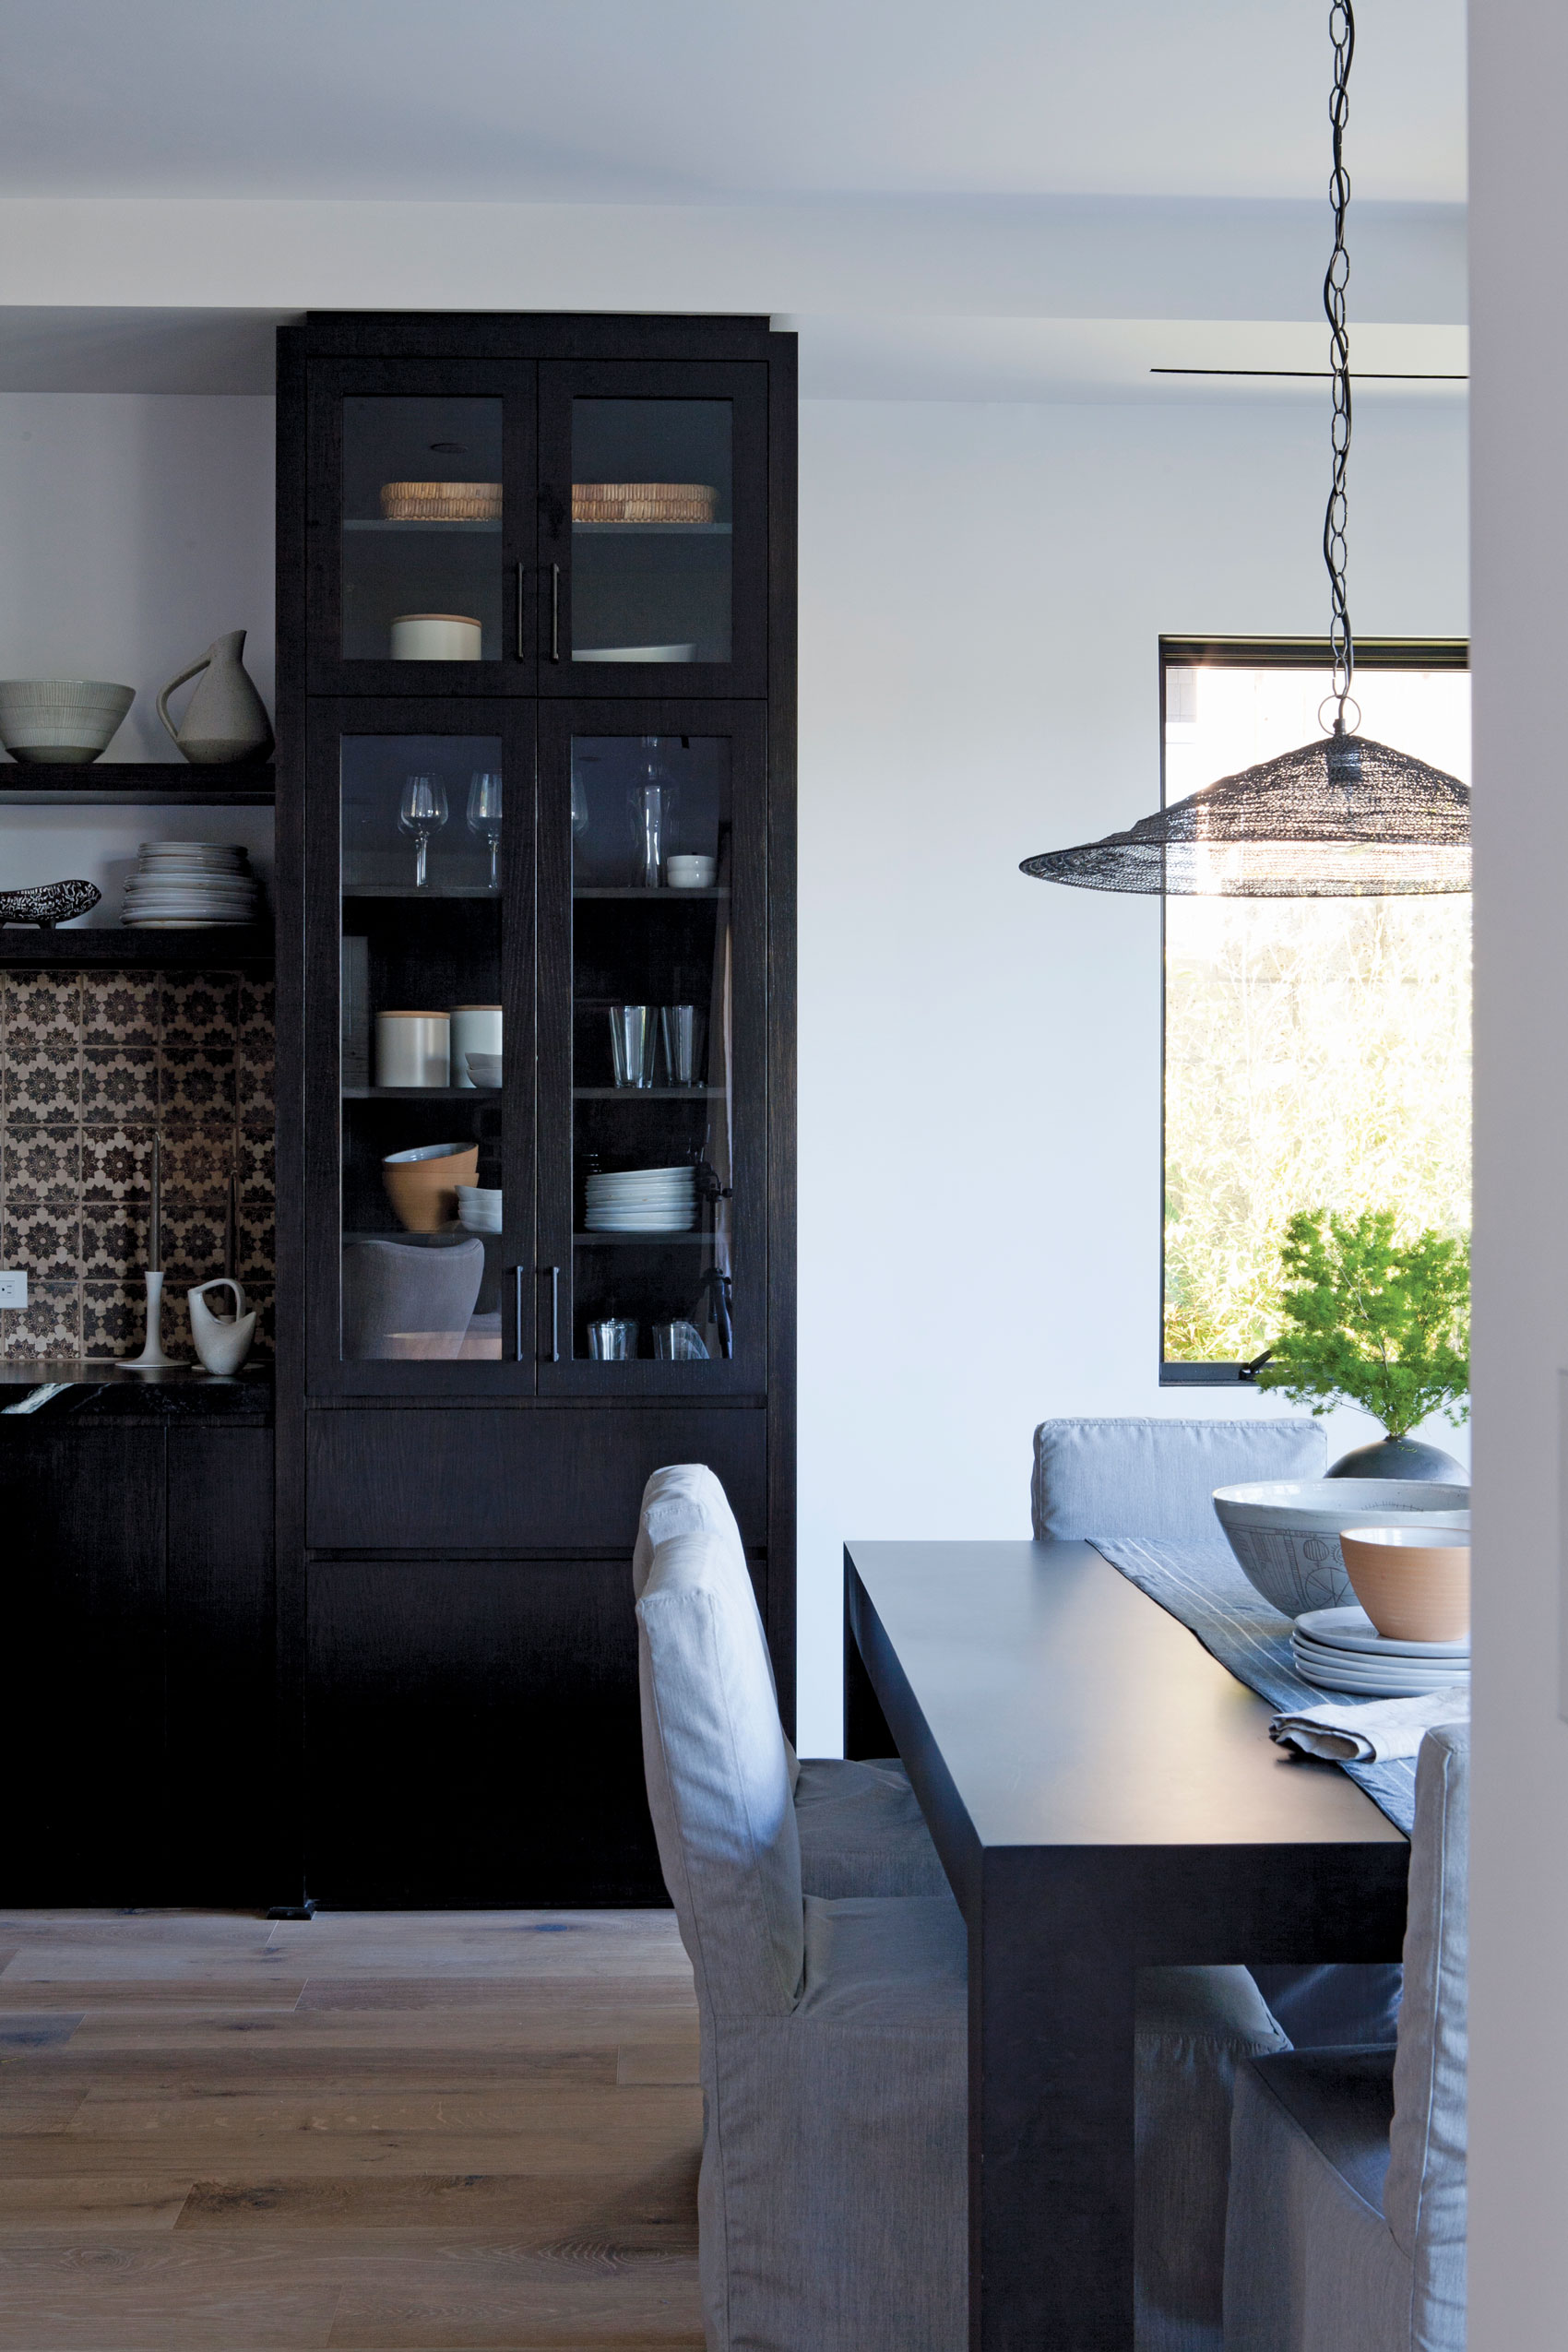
(517, 1480)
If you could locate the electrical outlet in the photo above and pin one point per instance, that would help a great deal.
(13, 1288)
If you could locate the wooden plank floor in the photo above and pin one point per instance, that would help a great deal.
(395, 2132)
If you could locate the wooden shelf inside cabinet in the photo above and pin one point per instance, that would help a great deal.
(421, 1094)
(643, 1240)
(220, 944)
(673, 897)
(648, 1094)
(430, 890)
(653, 531)
(106, 784)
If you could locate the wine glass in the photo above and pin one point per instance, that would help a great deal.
(423, 811)
(484, 815)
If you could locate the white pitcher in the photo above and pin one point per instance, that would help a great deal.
(226, 719)
(221, 1341)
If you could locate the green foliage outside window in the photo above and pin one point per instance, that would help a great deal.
(1316, 1050)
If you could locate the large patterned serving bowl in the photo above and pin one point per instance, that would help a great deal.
(1285, 1532)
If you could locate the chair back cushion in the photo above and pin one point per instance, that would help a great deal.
(719, 1780)
(1424, 2196)
(683, 1496)
(1156, 1477)
(401, 1300)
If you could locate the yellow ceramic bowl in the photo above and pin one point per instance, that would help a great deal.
(423, 1184)
(1414, 1583)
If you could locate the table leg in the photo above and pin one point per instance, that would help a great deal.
(1052, 1998)
(865, 1726)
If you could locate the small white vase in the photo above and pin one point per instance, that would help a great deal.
(222, 1342)
(226, 720)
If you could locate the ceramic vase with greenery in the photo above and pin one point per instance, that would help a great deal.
(1378, 1322)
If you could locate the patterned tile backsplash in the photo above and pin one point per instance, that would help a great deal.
(93, 1065)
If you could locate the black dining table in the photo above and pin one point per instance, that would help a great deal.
(1105, 1797)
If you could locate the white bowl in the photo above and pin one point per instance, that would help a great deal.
(60, 722)
(484, 1069)
(1285, 1532)
(692, 874)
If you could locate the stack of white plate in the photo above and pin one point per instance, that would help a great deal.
(183, 886)
(479, 1207)
(1341, 1649)
(642, 1200)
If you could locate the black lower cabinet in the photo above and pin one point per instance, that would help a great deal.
(140, 1687)
(472, 1734)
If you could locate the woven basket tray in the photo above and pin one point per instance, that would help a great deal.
(440, 502)
(642, 502)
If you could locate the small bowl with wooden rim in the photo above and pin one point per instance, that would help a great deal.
(1414, 1583)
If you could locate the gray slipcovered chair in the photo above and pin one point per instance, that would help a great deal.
(404, 1299)
(861, 1827)
(1156, 1477)
(833, 2192)
(1347, 2174)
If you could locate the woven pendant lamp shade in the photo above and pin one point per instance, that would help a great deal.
(1345, 817)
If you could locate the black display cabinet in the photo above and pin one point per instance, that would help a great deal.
(536, 918)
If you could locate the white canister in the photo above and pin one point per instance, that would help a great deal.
(476, 1028)
(435, 636)
(413, 1049)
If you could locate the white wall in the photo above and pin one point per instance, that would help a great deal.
(1519, 2050)
(137, 528)
(982, 591)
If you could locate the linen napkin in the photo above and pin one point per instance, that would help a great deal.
(1374, 1731)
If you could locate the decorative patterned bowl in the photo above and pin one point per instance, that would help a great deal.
(60, 722)
(1285, 1532)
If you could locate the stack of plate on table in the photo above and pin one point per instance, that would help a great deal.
(1341, 1649)
(642, 1200)
(183, 886)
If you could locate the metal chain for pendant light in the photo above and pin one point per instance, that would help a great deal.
(1342, 33)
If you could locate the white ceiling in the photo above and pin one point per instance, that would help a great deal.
(717, 100)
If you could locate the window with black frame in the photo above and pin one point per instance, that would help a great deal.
(1316, 1050)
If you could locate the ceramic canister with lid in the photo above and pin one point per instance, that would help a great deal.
(476, 1028)
(413, 1049)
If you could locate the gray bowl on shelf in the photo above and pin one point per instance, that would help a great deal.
(1285, 1532)
(60, 722)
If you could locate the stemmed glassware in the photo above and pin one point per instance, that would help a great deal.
(484, 816)
(423, 811)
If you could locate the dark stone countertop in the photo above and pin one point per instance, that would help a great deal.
(113, 1391)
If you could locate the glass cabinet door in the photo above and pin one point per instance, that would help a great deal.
(423, 512)
(421, 526)
(652, 1204)
(653, 510)
(433, 1217)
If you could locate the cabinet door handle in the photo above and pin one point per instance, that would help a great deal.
(554, 1273)
(522, 649)
(555, 612)
(517, 1317)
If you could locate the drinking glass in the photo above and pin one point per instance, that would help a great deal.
(632, 1036)
(423, 811)
(684, 1029)
(679, 1343)
(484, 816)
(613, 1341)
(580, 801)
